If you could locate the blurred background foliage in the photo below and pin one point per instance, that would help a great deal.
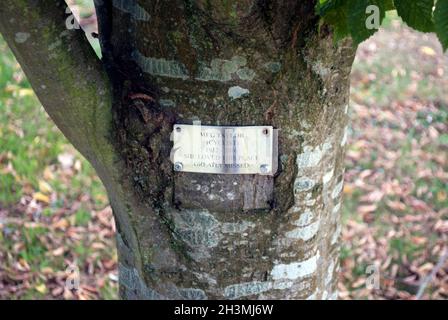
(54, 211)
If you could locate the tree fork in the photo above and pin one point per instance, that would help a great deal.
(223, 63)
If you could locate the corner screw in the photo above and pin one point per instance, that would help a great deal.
(178, 129)
(266, 131)
(264, 168)
(178, 166)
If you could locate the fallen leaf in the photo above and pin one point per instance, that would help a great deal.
(428, 51)
(348, 189)
(58, 252)
(41, 288)
(396, 205)
(441, 226)
(47, 270)
(25, 92)
(60, 224)
(57, 291)
(38, 196)
(48, 174)
(367, 208)
(45, 187)
(441, 196)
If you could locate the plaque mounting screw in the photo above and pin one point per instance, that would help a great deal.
(265, 131)
(264, 168)
(178, 166)
(178, 129)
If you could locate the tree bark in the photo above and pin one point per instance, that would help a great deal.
(237, 63)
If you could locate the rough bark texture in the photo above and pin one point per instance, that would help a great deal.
(245, 62)
(186, 56)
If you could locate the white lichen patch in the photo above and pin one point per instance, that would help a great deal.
(200, 230)
(237, 92)
(310, 203)
(273, 66)
(239, 290)
(305, 218)
(304, 233)
(133, 8)
(192, 294)
(303, 184)
(293, 134)
(197, 228)
(336, 210)
(160, 67)
(329, 275)
(224, 70)
(344, 137)
(311, 296)
(130, 278)
(327, 177)
(333, 296)
(21, 37)
(205, 277)
(337, 190)
(237, 227)
(318, 67)
(305, 124)
(231, 195)
(282, 285)
(246, 74)
(211, 197)
(311, 156)
(335, 236)
(295, 270)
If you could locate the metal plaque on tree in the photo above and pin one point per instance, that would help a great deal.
(225, 150)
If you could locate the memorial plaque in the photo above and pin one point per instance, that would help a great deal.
(225, 150)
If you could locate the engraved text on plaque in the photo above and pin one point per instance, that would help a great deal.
(225, 150)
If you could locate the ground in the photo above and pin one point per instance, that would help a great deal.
(54, 212)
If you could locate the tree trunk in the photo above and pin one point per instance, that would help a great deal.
(236, 63)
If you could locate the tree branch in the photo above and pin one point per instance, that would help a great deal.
(65, 73)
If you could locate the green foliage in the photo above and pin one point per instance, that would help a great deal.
(417, 13)
(441, 22)
(358, 16)
(354, 17)
(335, 13)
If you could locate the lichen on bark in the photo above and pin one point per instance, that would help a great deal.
(185, 60)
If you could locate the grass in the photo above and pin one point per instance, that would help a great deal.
(398, 150)
(37, 193)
